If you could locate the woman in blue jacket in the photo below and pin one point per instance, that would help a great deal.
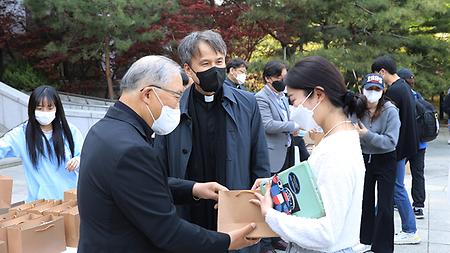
(48, 146)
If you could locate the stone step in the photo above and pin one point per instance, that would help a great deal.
(9, 162)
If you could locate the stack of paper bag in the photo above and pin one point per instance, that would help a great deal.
(5, 191)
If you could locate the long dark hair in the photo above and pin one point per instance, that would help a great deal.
(34, 135)
(383, 100)
(317, 71)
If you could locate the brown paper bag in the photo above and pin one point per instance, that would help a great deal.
(7, 223)
(23, 207)
(235, 211)
(8, 216)
(57, 210)
(72, 226)
(42, 235)
(41, 208)
(2, 247)
(70, 194)
(5, 191)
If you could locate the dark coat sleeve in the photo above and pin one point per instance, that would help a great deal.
(260, 166)
(140, 190)
(181, 190)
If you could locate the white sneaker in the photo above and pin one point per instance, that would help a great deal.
(406, 238)
(361, 248)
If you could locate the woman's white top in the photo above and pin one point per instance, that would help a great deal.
(338, 166)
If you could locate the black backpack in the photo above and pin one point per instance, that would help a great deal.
(427, 120)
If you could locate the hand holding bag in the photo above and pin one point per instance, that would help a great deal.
(235, 212)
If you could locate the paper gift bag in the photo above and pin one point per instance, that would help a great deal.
(41, 208)
(2, 247)
(235, 211)
(42, 235)
(5, 191)
(23, 207)
(5, 224)
(8, 216)
(72, 226)
(70, 194)
(57, 210)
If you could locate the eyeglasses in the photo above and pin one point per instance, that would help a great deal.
(176, 94)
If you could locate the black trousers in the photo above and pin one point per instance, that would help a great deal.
(377, 219)
(417, 165)
(300, 143)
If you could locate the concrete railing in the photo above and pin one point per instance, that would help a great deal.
(81, 111)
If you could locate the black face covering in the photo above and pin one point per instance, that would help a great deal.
(212, 79)
(278, 85)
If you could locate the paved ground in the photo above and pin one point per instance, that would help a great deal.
(434, 229)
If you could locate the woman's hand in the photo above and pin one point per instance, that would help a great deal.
(362, 130)
(73, 164)
(315, 136)
(264, 202)
(258, 183)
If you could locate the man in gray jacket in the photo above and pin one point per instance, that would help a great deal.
(274, 108)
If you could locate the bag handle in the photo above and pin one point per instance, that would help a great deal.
(43, 229)
(245, 191)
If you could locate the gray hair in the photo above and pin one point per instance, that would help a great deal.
(153, 69)
(189, 45)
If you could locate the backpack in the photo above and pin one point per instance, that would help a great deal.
(427, 120)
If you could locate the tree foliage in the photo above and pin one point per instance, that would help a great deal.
(70, 40)
(353, 33)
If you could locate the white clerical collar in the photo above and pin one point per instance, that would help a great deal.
(209, 99)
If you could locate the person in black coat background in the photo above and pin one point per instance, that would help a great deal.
(401, 95)
(124, 196)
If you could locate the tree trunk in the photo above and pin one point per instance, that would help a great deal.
(108, 68)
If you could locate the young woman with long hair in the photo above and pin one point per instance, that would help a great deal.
(320, 99)
(48, 145)
(379, 128)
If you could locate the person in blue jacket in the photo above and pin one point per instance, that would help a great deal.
(48, 145)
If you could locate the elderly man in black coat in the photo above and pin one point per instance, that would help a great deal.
(125, 198)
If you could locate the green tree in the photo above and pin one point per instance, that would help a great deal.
(98, 30)
(353, 33)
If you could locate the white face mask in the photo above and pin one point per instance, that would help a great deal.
(372, 95)
(168, 119)
(241, 78)
(45, 118)
(304, 116)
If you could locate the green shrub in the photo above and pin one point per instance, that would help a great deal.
(22, 76)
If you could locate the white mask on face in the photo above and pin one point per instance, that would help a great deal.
(304, 116)
(45, 118)
(241, 78)
(372, 95)
(168, 119)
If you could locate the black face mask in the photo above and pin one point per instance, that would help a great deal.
(278, 85)
(211, 80)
